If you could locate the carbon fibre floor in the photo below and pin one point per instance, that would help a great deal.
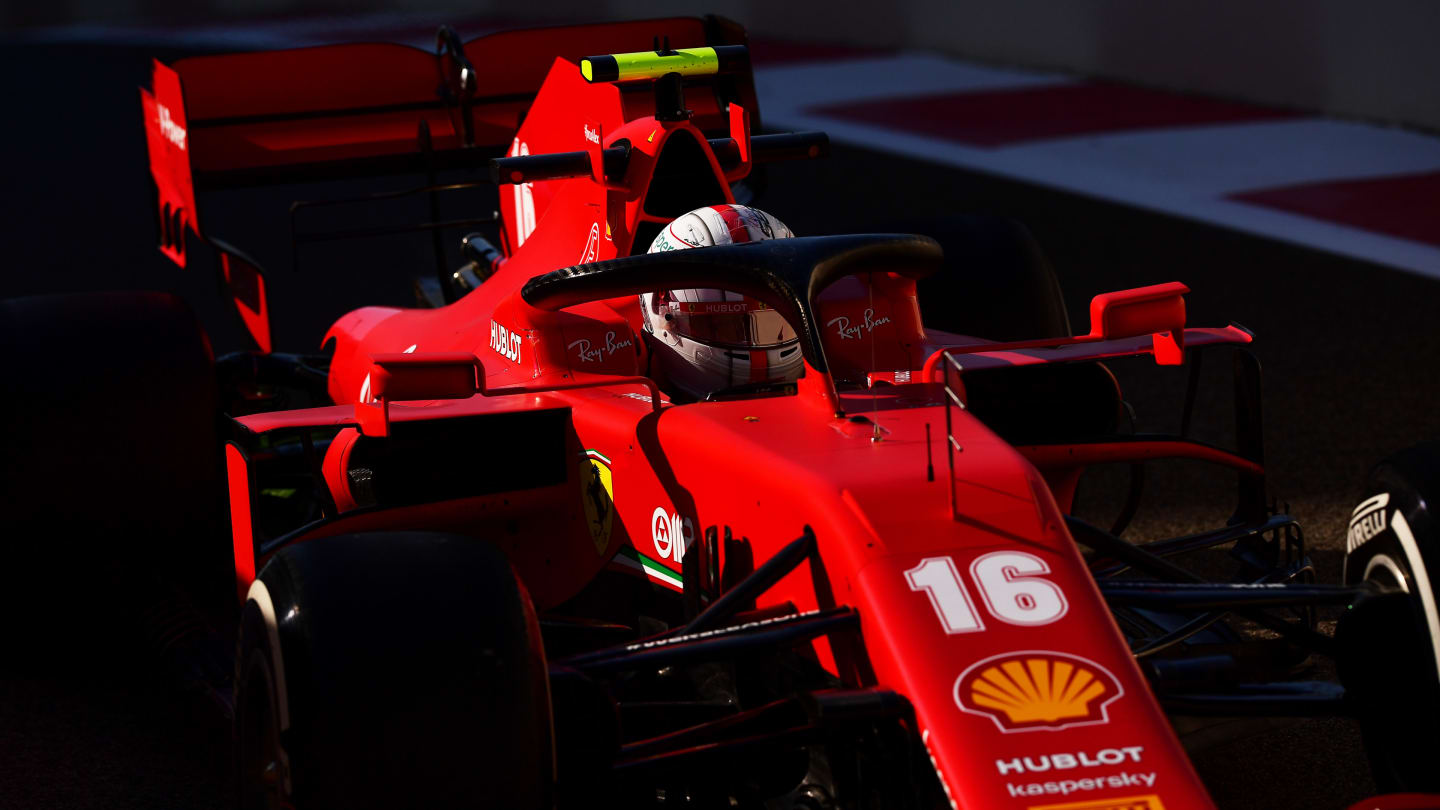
(1349, 351)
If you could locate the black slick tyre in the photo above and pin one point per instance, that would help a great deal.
(112, 456)
(391, 670)
(111, 395)
(1388, 644)
(996, 283)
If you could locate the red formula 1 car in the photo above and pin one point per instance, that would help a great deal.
(492, 562)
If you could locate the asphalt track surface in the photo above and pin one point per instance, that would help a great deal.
(1349, 350)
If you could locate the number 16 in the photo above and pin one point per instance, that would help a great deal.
(1009, 583)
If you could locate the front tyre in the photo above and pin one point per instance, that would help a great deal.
(996, 282)
(1388, 645)
(391, 670)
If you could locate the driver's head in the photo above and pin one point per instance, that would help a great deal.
(705, 341)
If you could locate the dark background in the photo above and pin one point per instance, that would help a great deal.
(1349, 351)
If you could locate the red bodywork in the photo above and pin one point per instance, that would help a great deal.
(974, 600)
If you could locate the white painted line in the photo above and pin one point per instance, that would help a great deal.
(1225, 159)
(1182, 171)
(813, 84)
(1064, 171)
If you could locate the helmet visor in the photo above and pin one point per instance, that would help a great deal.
(745, 324)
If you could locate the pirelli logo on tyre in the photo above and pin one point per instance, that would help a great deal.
(1366, 521)
(1151, 802)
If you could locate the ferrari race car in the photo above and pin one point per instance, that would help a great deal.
(482, 555)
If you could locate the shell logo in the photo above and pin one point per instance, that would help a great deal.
(1034, 689)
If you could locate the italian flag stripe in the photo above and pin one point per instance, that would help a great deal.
(597, 454)
(630, 558)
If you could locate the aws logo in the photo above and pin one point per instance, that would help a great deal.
(1033, 690)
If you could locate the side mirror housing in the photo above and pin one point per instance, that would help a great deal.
(245, 287)
(1157, 310)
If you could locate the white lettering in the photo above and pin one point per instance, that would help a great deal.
(848, 332)
(505, 342)
(1034, 768)
(173, 132)
(1365, 526)
(937, 577)
(1067, 786)
(1006, 766)
(1013, 590)
(1066, 761)
(591, 135)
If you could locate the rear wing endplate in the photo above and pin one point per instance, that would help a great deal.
(367, 109)
(340, 111)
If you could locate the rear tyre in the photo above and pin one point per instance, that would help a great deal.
(112, 455)
(391, 670)
(996, 283)
(110, 410)
(1387, 657)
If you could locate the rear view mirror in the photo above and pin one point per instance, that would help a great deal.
(1157, 310)
(245, 287)
(397, 377)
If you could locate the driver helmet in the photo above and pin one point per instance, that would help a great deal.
(705, 341)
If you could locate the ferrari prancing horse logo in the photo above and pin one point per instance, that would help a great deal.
(599, 498)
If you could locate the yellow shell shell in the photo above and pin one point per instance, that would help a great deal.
(1038, 690)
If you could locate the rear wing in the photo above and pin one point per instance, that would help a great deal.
(366, 109)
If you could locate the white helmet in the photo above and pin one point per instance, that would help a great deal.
(709, 340)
